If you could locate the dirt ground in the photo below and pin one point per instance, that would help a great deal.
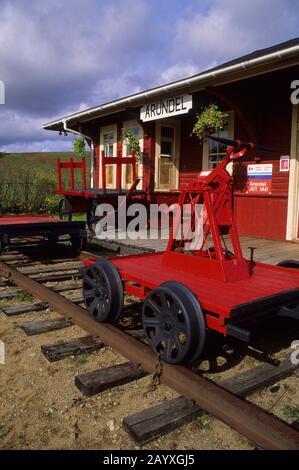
(40, 407)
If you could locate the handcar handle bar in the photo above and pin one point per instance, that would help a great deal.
(239, 144)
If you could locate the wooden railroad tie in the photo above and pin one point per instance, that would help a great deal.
(59, 269)
(84, 345)
(161, 419)
(49, 262)
(46, 278)
(37, 307)
(99, 380)
(57, 277)
(44, 326)
(64, 288)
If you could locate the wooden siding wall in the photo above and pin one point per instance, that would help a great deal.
(270, 112)
(191, 151)
(262, 113)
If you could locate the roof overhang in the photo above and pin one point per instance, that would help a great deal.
(266, 63)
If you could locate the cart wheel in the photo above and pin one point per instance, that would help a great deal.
(174, 323)
(65, 210)
(103, 291)
(289, 263)
(78, 244)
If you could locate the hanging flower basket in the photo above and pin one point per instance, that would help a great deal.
(209, 121)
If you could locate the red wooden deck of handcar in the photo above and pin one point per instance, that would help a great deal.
(44, 226)
(267, 289)
(215, 296)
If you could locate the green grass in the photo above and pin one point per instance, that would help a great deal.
(79, 217)
(28, 179)
(81, 359)
(291, 411)
(44, 162)
(24, 296)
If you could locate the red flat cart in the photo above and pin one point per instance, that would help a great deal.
(189, 290)
(42, 226)
(86, 199)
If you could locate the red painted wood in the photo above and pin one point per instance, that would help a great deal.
(27, 219)
(148, 160)
(96, 170)
(263, 217)
(72, 174)
(58, 164)
(83, 172)
(103, 171)
(191, 152)
(214, 295)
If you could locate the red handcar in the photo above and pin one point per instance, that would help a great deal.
(187, 291)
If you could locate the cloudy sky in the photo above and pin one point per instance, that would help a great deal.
(60, 56)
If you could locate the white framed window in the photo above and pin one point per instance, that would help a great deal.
(108, 143)
(214, 152)
(137, 131)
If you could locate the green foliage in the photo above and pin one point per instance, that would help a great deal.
(132, 140)
(79, 147)
(81, 359)
(204, 420)
(24, 296)
(291, 411)
(210, 120)
(50, 204)
(27, 180)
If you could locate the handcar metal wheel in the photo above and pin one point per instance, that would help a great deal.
(174, 323)
(103, 291)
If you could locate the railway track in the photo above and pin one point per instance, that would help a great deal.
(197, 393)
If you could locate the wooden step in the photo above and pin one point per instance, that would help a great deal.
(99, 380)
(44, 326)
(161, 419)
(84, 345)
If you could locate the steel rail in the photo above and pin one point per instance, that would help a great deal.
(261, 428)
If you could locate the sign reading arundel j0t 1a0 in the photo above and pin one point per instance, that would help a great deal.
(166, 108)
(259, 178)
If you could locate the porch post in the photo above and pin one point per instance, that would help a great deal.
(293, 193)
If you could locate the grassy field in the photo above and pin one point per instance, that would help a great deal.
(44, 162)
(27, 180)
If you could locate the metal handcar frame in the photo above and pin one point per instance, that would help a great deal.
(189, 291)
